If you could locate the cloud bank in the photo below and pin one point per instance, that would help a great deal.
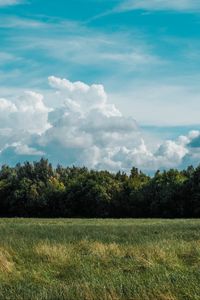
(83, 128)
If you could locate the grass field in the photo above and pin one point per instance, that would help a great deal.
(99, 259)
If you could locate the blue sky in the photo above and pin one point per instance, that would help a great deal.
(145, 53)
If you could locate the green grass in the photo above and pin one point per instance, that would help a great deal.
(99, 259)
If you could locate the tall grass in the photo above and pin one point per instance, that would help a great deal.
(99, 259)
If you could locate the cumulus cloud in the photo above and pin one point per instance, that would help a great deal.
(84, 128)
(27, 113)
(21, 120)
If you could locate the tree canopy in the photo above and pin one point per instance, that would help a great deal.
(39, 190)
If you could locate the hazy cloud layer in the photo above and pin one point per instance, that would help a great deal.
(83, 128)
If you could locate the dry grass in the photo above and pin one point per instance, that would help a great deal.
(6, 263)
(166, 297)
(103, 250)
(53, 253)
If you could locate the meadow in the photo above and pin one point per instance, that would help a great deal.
(99, 259)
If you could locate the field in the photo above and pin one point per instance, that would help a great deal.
(99, 259)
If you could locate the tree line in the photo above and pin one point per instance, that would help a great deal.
(39, 190)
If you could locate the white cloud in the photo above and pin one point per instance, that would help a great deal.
(189, 6)
(21, 119)
(156, 5)
(9, 2)
(83, 128)
(86, 124)
(22, 23)
(77, 46)
(6, 57)
(21, 149)
(169, 154)
(27, 113)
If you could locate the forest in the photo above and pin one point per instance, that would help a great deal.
(39, 190)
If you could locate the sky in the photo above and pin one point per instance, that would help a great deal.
(106, 84)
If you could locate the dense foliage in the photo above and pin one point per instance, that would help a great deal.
(38, 190)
